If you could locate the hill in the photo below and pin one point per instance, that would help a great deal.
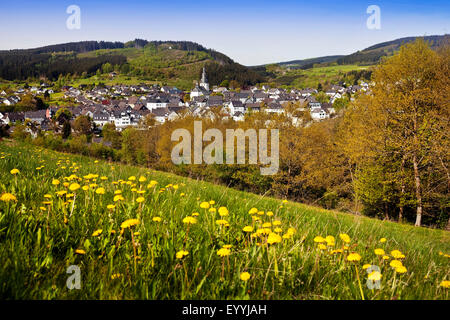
(137, 233)
(169, 61)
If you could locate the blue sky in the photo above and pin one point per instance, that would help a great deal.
(250, 32)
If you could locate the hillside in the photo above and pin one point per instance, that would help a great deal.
(167, 61)
(137, 233)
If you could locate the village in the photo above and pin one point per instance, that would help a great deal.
(127, 105)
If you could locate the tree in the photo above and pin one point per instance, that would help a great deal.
(66, 130)
(83, 125)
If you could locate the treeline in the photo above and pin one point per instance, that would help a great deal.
(29, 65)
(244, 76)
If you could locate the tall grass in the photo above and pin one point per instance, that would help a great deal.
(39, 237)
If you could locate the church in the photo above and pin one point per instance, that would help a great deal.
(201, 89)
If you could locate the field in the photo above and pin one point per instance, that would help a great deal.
(136, 233)
(310, 78)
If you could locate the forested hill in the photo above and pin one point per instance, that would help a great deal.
(373, 54)
(159, 60)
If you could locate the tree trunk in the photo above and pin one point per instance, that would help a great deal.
(402, 207)
(418, 192)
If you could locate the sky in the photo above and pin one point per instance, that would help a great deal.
(250, 32)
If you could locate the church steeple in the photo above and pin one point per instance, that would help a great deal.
(204, 82)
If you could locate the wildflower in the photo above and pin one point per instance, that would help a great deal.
(353, 257)
(97, 232)
(375, 276)
(330, 240)
(195, 214)
(227, 246)
(152, 184)
(74, 187)
(396, 263)
(260, 213)
(212, 202)
(204, 205)
(269, 213)
(266, 225)
(223, 252)
(15, 171)
(118, 192)
(80, 251)
(140, 199)
(212, 210)
(278, 230)
(142, 179)
(181, 254)
(385, 257)
(110, 206)
(129, 223)
(273, 238)
(132, 178)
(383, 240)
(248, 229)
(222, 223)
(379, 252)
(85, 188)
(344, 237)
(253, 211)
(245, 276)
(321, 246)
(445, 284)
(319, 239)
(291, 231)
(100, 191)
(287, 236)
(189, 220)
(118, 198)
(6, 197)
(156, 219)
(400, 269)
(223, 211)
(366, 266)
(55, 182)
(276, 222)
(397, 254)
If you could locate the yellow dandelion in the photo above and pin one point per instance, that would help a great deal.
(245, 276)
(204, 205)
(319, 239)
(383, 240)
(248, 229)
(97, 232)
(344, 237)
(156, 219)
(375, 276)
(400, 269)
(379, 252)
(396, 263)
(273, 238)
(80, 251)
(55, 182)
(129, 223)
(74, 187)
(397, 254)
(100, 191)
(6, 197)
(140, 199)
(15, 171)
(181, 254)
(253, 211)
(223, 252)
(353, 257)
(445, 284)
(189, 220)
(110, 206)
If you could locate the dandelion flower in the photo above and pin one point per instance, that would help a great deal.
(223, 211)
(223, 252)
(15, 171)
(118, 198)
(142, 179)
(189, 220)
(400, 269)
(445, 284)
(353, 257)
(253, 211)
(276, 222)
(344, 237)
(269, 213)
(74, 187)
(129, 223)
(140, 199)
(397, 254)
(319, 239)
(6, 197)
(55, 182)
(396, 263)
(156, 219)
(222, 222)
(80, 251)
(204, 205)
(245, 276)
(273, 238)
(100, 191)
(379, 252)
(383, 240)
(248, 229)
(366, 266)
(110, 206)
(181, 254)
(375, 276)
(97, 232)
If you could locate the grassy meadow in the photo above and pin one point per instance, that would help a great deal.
(136, 233)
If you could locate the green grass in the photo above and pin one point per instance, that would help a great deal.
(312, 77)
(37, 245)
